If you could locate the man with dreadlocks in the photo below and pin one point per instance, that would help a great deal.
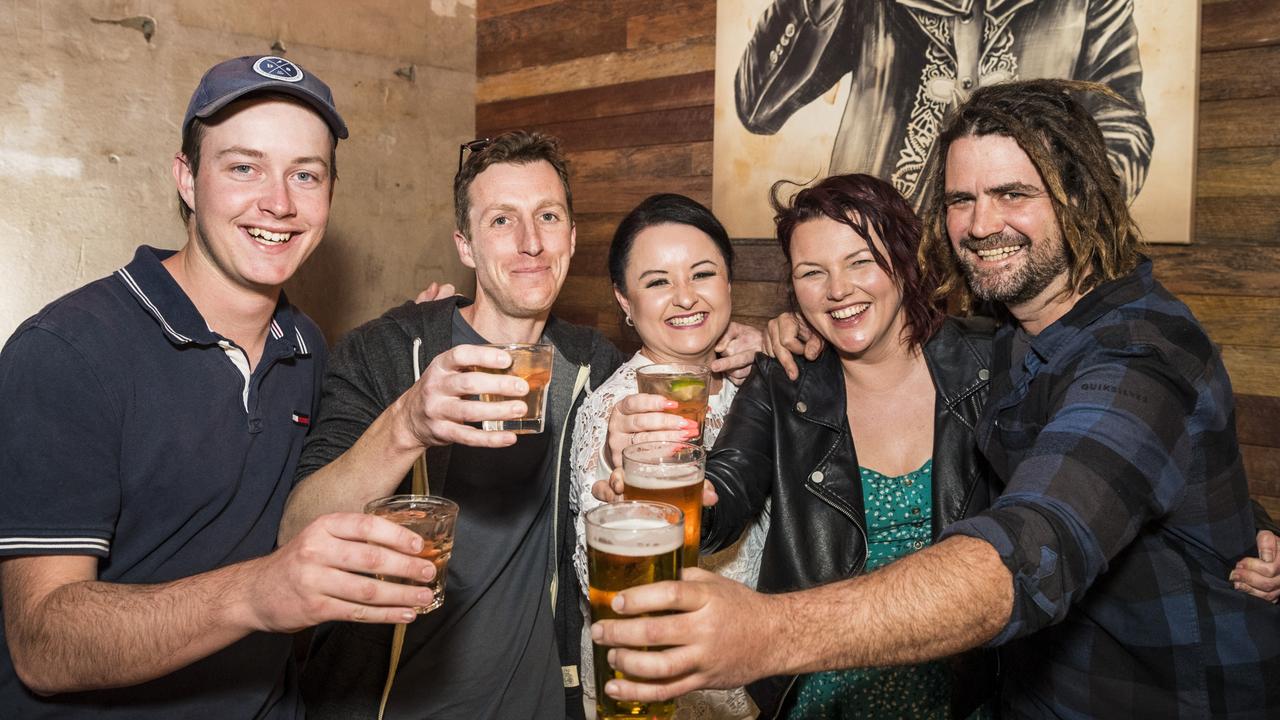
(1101, 572)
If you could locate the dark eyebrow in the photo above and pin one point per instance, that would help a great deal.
(652, 272)
(955, 196)
(312, 160)
(238, 150)
(704, 262)
(1015, 187)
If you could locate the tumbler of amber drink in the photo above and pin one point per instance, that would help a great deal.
(687, 385)
(533, 362)
(628, 543)
(669, 472)
(431, 517)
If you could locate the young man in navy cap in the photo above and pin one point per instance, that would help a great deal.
(152, 423)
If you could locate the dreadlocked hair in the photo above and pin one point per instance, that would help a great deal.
(1064, 143)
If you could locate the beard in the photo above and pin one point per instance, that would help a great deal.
(1042, 262)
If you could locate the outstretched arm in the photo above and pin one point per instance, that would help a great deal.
(434, 411)
(69, 632)
(945, 599)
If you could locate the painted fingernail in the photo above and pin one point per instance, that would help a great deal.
(688, 424)
(690, 433)
(670, 405)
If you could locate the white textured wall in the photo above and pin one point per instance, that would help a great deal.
(90, 115)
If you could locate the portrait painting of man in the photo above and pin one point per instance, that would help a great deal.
(805, 88)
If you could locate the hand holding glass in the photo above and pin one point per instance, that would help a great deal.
(688, 386)
(628, 544)
(431, 517)
(533, 363)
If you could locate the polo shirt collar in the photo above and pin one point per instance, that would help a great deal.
(1096, 303)
(175, 314)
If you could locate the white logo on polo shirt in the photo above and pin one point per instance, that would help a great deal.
(278, 68)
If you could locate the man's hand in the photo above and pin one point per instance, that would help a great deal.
(736, 350)
(1260, 576)
(642, 418)
(322, 575)
(612, 489)
(789, 333)
(722, 636)
(436, 291)
(436, 409)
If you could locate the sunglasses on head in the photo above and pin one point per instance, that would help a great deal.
(473, 147)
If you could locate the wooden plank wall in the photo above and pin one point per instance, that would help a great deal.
(628, 87)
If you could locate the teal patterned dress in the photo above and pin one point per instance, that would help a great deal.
(898, 512)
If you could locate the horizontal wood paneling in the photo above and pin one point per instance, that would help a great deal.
(549, 34)
(1258, 419)
(488, 9)
(1248, 122)
(1239, 221)
(660, 61)
(1218, 269)
(671, 20)
(1237, 319)
(1262, 467)
(1239, 24)
(1221, 79)
(642, 96)
(657, 128)
(1238, 172)
(1254, 370)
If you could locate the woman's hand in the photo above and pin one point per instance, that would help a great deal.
(643, 418)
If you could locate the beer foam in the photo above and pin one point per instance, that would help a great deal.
(663, 477)
(619, 537)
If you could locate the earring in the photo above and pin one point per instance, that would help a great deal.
(629, 322)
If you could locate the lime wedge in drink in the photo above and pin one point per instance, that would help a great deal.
(686, 389)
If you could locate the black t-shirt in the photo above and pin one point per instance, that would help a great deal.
(490, 649)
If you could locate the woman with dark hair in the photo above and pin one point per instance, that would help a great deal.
(671, 264)
(869, 453)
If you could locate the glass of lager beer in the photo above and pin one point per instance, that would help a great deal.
(533, 362)
(688, 386)
(433, 518)
(669, 472)
(629, 543)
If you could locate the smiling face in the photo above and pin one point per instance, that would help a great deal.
(521, 239)
(843, 294)
(1002, 224)
(677, 292)
(261, 195)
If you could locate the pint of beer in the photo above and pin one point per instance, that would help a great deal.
(669, 472)
(629, 543)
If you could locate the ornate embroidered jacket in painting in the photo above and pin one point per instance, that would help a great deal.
(913, 60)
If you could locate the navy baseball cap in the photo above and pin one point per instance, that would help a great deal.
(231, 80)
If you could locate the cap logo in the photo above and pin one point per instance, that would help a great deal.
(278, 69)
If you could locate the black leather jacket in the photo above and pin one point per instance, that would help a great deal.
(790, 441)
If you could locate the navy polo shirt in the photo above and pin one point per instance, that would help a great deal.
(131, 432)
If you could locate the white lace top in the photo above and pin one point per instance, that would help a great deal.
(739, 562)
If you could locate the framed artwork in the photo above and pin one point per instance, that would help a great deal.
(807, 88)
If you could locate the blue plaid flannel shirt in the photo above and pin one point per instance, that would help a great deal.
(1123, 510)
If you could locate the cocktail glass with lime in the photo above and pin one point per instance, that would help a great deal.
(686, 384)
